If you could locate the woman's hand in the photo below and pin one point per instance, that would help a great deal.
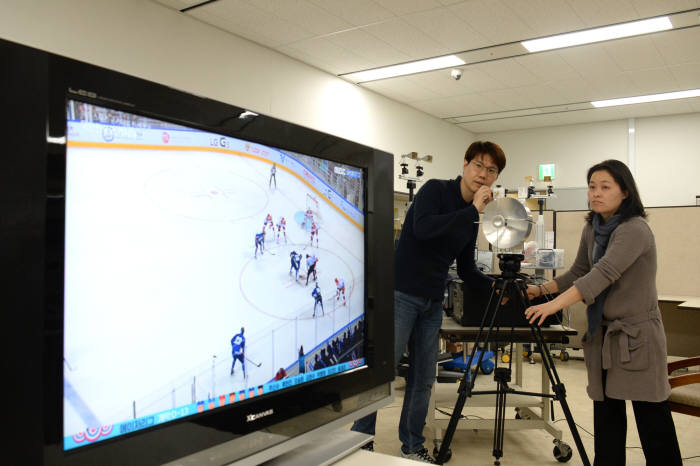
(541, 311)
(533, 291)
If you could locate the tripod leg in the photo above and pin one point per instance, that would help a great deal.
(467, 383)
(557, 386)
(499, 427)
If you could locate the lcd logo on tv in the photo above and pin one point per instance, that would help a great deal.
(253, 417)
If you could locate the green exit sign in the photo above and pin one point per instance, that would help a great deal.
(546, 169)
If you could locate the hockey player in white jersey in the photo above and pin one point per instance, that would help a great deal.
(308, 218)
(314, 232)
(340, 290)
(282, 228)
(269, 222)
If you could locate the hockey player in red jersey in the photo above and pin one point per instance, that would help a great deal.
(268, 221)
(340, 290)
(314, 232)
(282, 228)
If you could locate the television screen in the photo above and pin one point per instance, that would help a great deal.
(200, 271)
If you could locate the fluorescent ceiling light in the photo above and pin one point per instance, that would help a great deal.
(599, 34)
(419, 66)
(647, 98)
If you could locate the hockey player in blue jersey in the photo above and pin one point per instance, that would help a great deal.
(259, 242)
(296, 261)
(238, 350)
(318, 299)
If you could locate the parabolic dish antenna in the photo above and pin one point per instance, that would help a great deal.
(506, 222)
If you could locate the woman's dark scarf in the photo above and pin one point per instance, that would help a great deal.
(602, 232)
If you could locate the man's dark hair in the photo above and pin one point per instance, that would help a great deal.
(487, 148)
(632, 205)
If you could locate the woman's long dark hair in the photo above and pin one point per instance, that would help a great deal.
(632, 205)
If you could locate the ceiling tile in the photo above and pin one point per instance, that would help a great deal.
(446, 29)
(403, 7)
(612, 86)
(304, 14)
(670, 107)
(655, 7)
(468, 104)
(547, 65)
(405, 38)
(654, 81)
(574, 89)
(509, 72)
(476, 79)
(493, 20)
(595, 13)
(634, 53)
(439, 82)
(308, 59)
(542, 95)
(179, 4)
(679, 46)
(356, 12)
(589, 60)
(249, 22)
(509, 99)
(400, 89)
(322, 49)
(473, 81)
(559, 17)
(687, 76)
(363, 44)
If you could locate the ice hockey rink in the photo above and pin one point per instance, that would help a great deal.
(161, 273)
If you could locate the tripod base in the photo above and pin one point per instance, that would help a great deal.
(509, 284)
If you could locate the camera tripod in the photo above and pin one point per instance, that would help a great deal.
(509, 284)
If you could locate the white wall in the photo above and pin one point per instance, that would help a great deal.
(668, 159)
(666, 164)
(148, 40)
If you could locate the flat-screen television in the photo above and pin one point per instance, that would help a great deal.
(184, 272)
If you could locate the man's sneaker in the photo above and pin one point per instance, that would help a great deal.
(420, 455)
(369, 446)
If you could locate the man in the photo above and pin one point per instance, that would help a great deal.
(295, 261)
(440, 226)
(311, 262)
(318, 299)
(273, 175)
(238, 350)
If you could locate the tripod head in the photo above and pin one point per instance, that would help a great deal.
(510, 264)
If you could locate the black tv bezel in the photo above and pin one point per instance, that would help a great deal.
(57, 79)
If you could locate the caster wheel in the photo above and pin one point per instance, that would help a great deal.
(505, 358)
(436, 452)
(564, 356)
(563, 452)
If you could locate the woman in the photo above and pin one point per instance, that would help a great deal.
(625, 346)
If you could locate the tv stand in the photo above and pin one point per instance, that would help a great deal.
(325, 449)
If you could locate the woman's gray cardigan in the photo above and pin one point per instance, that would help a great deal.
(633, 349)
